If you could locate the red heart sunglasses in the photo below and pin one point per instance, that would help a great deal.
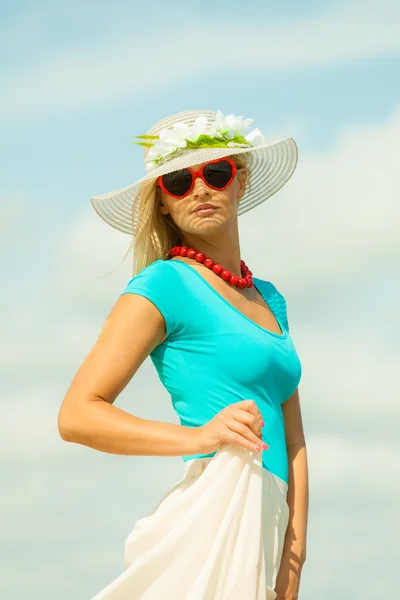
(217, 174)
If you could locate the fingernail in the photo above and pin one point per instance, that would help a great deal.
(265, 446)
(262, 423)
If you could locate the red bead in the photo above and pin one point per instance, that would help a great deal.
(240, 282)
(225, 274)
(217, 268)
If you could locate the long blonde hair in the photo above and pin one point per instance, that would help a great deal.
(155, 233)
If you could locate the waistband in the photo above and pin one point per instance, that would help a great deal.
(196, 466)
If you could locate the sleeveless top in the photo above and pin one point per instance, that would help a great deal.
(214, 355)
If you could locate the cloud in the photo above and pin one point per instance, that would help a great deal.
(121, 65)
(336, 221)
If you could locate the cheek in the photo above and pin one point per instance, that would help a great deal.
(174, 206)
(231, 192)
(167, 201)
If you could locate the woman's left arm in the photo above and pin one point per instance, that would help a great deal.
(294, 550)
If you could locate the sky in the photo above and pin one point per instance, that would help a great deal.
(78, 81)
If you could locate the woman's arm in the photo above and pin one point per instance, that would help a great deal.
(294, 551)
(87, 415)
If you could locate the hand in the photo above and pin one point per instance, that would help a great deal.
(238, 423)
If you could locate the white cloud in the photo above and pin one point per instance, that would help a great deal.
(336, 220)
(122, 65)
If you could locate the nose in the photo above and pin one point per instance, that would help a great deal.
(200, 188)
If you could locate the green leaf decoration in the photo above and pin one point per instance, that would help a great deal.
(206, 141)
(240, 139)
(203, 141)
(147, 137)
(145, 144)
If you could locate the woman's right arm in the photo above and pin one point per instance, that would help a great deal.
(87, 415)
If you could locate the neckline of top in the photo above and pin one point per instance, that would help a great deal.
(281, 336)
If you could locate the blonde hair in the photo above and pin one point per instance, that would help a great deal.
(155, 233)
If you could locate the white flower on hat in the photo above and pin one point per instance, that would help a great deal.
(229, 126)
(255, 137)
(223, 132)
(171, 139)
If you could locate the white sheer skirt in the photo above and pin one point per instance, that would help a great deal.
(217, 534)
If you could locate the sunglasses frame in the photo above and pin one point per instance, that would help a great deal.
(200, 174)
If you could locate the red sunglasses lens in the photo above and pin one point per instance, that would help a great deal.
(217, 174)
(177, 183)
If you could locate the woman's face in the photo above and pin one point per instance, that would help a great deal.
(183, 210)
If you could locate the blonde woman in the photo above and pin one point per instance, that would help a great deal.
(234, 526)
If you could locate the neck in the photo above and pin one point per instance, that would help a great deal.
(223, 249)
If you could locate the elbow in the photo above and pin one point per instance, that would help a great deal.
(68, 426)
(65, 430)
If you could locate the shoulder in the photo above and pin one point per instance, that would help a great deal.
(158, 267)
(157, 273)
(267, 287)
(275, 299)
(161, 284)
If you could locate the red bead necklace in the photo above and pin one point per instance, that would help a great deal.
(240, 282)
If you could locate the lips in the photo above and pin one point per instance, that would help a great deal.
(201, 206)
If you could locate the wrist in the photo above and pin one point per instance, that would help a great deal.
(198, 440)
(194, 445)
(295, 556)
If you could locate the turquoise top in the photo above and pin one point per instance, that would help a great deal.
(214, 355)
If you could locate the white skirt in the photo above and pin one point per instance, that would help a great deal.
(217, 534)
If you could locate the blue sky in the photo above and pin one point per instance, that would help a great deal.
(78, 82)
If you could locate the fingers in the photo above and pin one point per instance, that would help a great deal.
(248, 419)
(242, 434)
(246, 425)
(251, 407)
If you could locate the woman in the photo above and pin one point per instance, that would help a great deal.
(219, 340)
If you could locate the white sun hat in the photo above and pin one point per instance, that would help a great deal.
(193, 137)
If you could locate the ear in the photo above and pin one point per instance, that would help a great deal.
(163, 209)
(241, 179)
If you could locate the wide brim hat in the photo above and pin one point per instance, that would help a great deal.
(271, 163)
